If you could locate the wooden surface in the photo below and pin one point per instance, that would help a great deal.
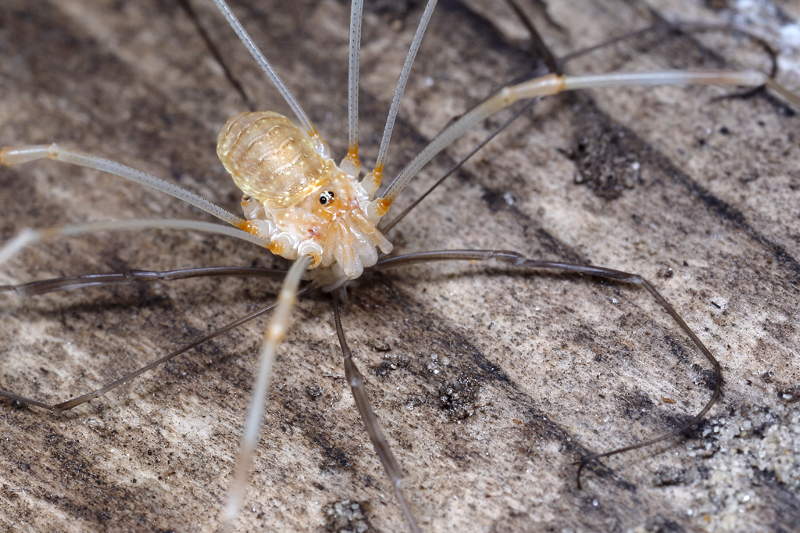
(490, 383)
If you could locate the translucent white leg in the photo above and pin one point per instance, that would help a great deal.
(377, 174)
(16, 155)
(265, 65)
(275, 333)
(554, 84)
(28, 237)
(354, 48)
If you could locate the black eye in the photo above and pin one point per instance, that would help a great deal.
(326, 197)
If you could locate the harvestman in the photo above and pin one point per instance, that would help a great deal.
(330, 221)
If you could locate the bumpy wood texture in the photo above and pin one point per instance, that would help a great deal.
(490, 384)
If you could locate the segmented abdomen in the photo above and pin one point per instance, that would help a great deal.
(271, 159)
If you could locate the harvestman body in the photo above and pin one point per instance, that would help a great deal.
(327, 218)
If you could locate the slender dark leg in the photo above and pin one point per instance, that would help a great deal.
(391, 224)
(518, 260)
(216, 54)
(538, 46)
(666, 27)
(33, 288)
(356, 380)
(557, 65)
(78, 400)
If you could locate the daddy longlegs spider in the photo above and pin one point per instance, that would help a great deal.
(11, 154)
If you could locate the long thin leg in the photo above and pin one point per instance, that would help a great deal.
(28, 237)
(265, 66)
(84, 281)
(16, 155)
(274, 334)
(665, 26)
(389, 224)
(373, 180)
(538, 46)
(552, 84)
(556, 65)
(518, 260)
(379, 441)
(353, 64)
(78, 400)
(186, 5)
(788, 95)
(563, 60)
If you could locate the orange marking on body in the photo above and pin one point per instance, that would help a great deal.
(383, 205)
(275, 247)
(377, 175)
(248, 226)
(352, 155)
(561, 82)
(276, 333)
(50, 233)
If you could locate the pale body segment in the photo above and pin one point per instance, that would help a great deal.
(302, 203)
(298, 199)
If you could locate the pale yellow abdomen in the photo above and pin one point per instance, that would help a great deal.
(271, 159)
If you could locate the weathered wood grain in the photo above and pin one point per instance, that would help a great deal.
(490, 383)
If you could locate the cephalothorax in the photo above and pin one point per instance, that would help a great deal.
(299, 200)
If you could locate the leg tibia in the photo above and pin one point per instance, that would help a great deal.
(17, 155)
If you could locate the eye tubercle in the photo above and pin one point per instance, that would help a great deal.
(326, 197)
